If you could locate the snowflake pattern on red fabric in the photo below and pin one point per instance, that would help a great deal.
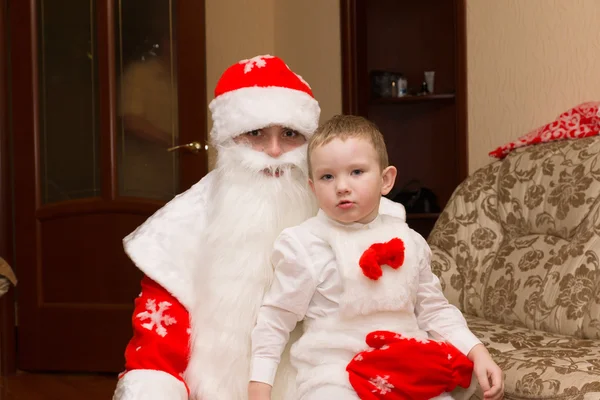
(158, 319)
(396, 367)
(578, 122)
(258, 61)
(161, 333)
(382, 385)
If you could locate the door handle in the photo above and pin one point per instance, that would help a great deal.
(194, 147)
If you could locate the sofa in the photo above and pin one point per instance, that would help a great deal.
(517, 249)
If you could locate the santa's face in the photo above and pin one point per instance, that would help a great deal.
(263, 182)
(273, 141)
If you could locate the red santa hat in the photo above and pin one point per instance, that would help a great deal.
(259, 92)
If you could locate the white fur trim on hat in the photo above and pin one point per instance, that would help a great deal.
(251, 108)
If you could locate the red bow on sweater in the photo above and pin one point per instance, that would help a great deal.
(401, 368)
(390, 253)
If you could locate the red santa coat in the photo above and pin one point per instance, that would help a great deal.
(159, 352)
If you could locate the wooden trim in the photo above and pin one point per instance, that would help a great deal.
(105, 54)
(348, 36)
(355, 97)
(7, 302)
(25, 125)
(8, 343)
(97, 205)
(191, 70)
(414, 99)
(462, 122)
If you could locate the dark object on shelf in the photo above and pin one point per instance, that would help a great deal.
(424, 89)
(383, 82)
(417, 199)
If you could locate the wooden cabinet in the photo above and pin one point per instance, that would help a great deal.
(426, 135)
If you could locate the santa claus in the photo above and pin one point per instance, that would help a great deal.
(205, 255)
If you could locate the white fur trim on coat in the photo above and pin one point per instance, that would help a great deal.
(389, 207)
(251, 108)
(163, 245)
(148, 384)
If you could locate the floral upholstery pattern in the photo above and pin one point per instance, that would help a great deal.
(517, 249)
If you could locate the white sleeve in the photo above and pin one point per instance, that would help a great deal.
(434, 313)
(149, 385)
(284, 305)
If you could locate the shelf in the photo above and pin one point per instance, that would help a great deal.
(423, 216)
(413, 99)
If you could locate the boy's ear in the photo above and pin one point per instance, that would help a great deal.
(388, 177)
(311, 184)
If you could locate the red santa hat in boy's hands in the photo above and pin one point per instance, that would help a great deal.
(259, 92)
(388, 370)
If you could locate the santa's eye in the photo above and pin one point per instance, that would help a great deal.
(290, 133)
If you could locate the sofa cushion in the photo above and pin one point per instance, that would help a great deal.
(519, 241)
(540, 365)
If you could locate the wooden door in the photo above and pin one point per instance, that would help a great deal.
(100, 90)
(7, 309)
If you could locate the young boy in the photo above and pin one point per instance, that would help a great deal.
(350, 274)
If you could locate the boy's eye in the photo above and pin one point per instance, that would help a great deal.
(357, 172)
(255, 132)
(327, 177)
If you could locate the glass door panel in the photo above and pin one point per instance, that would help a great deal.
(68, 106)
(148, 115)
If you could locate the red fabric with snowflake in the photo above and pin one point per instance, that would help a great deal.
(579, 122)
(267, 71)
(400, 368)
(379, 254)
(161, 332)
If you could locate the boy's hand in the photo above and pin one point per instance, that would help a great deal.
(487, 372)
(259, 391)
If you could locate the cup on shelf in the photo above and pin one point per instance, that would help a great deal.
(402, 86)
(430, 79)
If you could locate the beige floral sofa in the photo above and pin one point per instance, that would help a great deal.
(517, 249)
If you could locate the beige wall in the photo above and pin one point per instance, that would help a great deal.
(306, 34)
(528, 61)
(308, 39)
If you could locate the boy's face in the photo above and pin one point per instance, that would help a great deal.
(348, 181)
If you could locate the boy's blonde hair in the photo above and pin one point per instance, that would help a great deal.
(344, 127)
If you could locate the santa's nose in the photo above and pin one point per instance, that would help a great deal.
(273, 147)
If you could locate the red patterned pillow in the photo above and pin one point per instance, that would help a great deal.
(578, 122)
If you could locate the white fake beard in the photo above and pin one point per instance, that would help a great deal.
(249, 210)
